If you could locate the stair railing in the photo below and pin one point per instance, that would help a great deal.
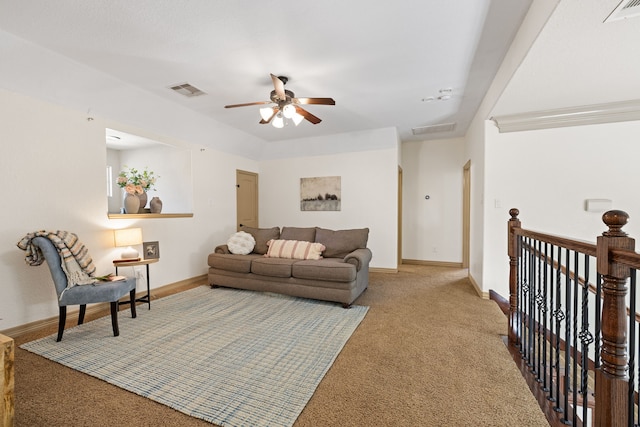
(570, 322)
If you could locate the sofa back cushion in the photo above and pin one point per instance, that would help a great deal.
(303, 234)
(294, 249)
(262, 236)
(340, 243)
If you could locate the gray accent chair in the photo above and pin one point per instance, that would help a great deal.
(84, 294)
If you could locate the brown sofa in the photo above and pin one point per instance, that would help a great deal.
(341, 275)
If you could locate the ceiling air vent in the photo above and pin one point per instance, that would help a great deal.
(626, 9)
(443, 127)
(187, 90)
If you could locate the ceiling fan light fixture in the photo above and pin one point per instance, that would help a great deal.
(297, 118)
(266, 113)
(278, 121)
(285, 105)
(289, 111)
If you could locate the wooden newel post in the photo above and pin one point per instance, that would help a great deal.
(612, 378)
(7, 383)
(512, 250)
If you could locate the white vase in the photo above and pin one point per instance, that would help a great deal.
(131, 203)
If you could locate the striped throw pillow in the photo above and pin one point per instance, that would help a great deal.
(294, 249)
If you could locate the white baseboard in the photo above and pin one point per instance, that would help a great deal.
(432, 263)
(482, 294)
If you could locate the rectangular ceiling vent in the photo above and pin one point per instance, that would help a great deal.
(443, 127)
(187, 90)
(626, 9)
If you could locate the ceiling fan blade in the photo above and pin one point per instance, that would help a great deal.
(279, 87)
(247, 104)
(319, 101)
(307, 115)
(275, 111)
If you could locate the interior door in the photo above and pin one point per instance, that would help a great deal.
(399, 216)
(246, 199)
(466, 214)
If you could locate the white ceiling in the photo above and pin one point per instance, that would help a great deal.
(578, 60)
(378, 60)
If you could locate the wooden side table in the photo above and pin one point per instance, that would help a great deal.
(145, 262)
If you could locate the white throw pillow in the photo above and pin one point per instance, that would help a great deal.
(241, 243)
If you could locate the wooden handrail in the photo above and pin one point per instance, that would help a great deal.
(574, 245)
(626, 257)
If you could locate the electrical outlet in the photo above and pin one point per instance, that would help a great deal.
(138, 274)
(435, 249)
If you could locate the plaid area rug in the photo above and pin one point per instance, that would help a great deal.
(230, 357)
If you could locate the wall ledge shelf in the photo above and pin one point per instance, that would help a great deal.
(149, 215)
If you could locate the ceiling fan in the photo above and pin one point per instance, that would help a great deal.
(287, 105)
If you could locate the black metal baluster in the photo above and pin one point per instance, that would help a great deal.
(586, 338)
(559, 315)
(574, 357)
(516, 320)
(567, 334)
(539, 304)
(523, 297)
(598, 331)
(545, 330)
(530, 302)
(552, 363)
(632, 347)
(524, 302)
(534, 310)
(519, 271)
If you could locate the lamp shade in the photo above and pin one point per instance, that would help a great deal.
(127, 236)
(297, 119)
(288, 111)
(266, 113)
(278, 121)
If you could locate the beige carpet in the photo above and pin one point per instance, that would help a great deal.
(428, 353)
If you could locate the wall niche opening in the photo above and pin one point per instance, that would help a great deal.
(170, 165)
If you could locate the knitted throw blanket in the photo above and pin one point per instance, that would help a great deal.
(76, 261)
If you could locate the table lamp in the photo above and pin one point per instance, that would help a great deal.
(128, 237)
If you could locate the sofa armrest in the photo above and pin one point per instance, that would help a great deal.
(359, 258)
(222, 249)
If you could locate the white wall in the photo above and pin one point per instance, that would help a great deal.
(432, 229)
(40, 73)
(548, 175)
(53, 169)
(369, 193)
(536, 18)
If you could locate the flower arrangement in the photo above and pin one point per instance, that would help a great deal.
(136, 182)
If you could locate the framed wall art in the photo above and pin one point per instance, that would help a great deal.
(320, 193)
(151, 250)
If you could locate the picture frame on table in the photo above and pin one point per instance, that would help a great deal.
(151, 250)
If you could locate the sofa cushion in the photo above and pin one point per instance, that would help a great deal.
(274, 267)
(304, 234)
(340, 243)
(325, 269)
(262, 236)
(231, 262)
(294, 249)
(241, 243)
